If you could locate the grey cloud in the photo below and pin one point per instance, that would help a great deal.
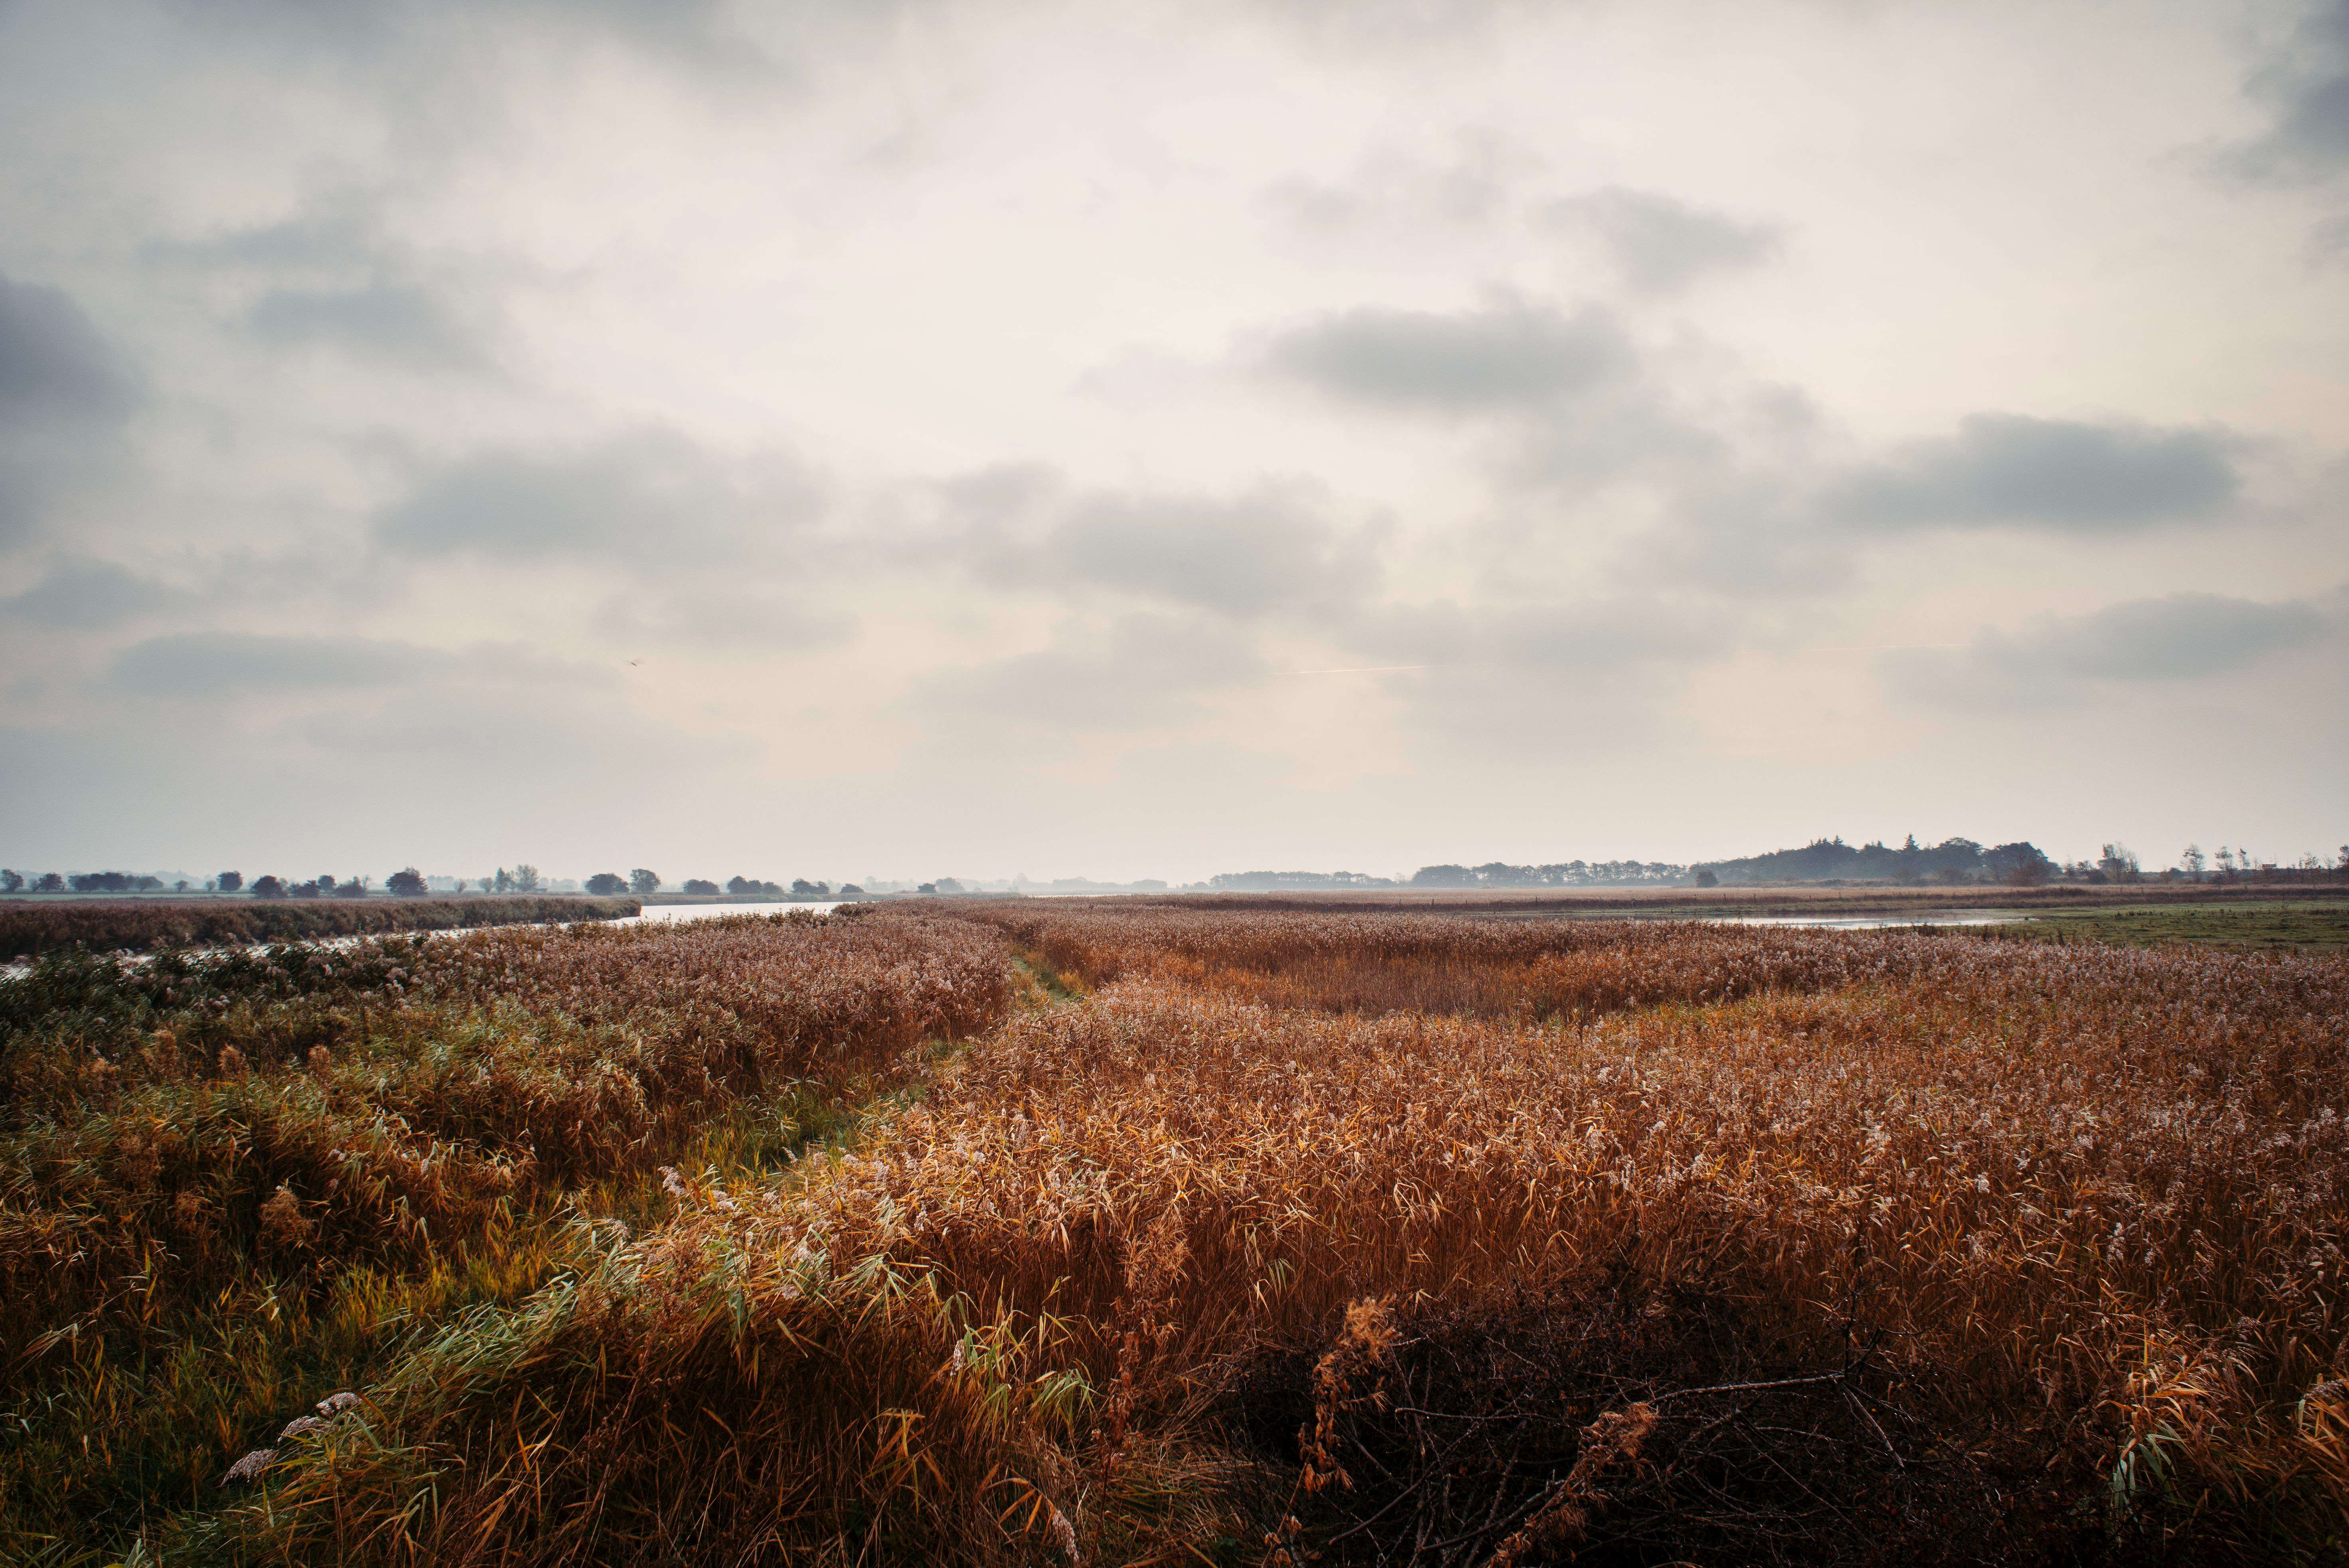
(2061, 476)
(54, 366)
(372, 34)
(1536, 681)
(336, 239)
(1393, 189)
(722, 619)
(1743, 536)
(1272, 548)
(64, 396)
(2057, 659)
(1243, 556)
(332, 278)
(650, 497)
(1507, 355)
(217, 664)
(79, 594)
(1657, 244)
(2308, 89)
(400, 319)
(1139, 671)
(1590, 637)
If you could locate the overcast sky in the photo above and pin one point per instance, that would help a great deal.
(837, 439)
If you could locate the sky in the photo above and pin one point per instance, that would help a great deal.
(913, 438)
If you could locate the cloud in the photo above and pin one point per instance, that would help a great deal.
(650, 498)
(215, 663)
(1535, 682)
(391, 32)
(219, 664)
(1506, 356)
(1271, 547)
(1589, 636)
(721, 618)
(78, 594)
(1138, 671)
(65, 395)
(1657, 244)
(2059, 660)
(2307, 87)
(334, 236)
(402, 320)
(1243, 556)
(2060, 475)
(54, 369)
(1393, 190)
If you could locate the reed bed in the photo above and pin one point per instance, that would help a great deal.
(1725, 1247)
(1402, 962)
(217, 1171)
(142, 925)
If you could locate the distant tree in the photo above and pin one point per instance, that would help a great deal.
(504, 882)
(2226, 859)
(2193, 860)
(700, 886)
(180, 886)
(644, 883)
(229, 881)
(268, 888)
(11, 881)
(352, 887)
(2118, 863)
(1443, 876)
(604, 884)
(741, 885)
(50, 882)
(850, 891)
(926, 887)
(525, 878)
(406, 882)
(949, 885)
(1707, 879)
(803, 888)
(2343, 864)
(105, 882)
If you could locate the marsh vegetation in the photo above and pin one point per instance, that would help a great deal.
(1020, 1232)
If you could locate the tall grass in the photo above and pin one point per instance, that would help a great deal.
(1824, 1247)
(221, 1174)
(1264, 1239)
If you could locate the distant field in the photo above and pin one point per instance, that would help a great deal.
(1028, 1233)
(2279, 923)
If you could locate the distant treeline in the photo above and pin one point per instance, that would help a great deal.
(26, 930)
(1831, 860)
(1828, 859)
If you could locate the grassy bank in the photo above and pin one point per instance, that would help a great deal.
(28, 928)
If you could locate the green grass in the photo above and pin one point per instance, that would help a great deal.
(2322, 925)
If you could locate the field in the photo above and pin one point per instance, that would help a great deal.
(141, 925)
(1133, 1233)
(2277, 923)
